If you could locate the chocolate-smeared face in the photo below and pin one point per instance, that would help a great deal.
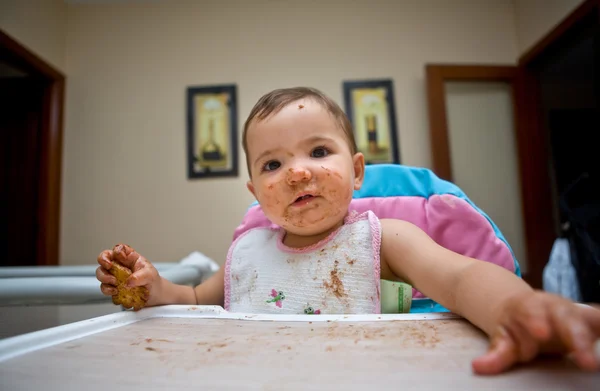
(303, 171)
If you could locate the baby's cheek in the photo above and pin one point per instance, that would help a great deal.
(270, 197)
(336, 187)
(349, 193)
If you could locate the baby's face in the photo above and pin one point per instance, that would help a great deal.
(303, 171)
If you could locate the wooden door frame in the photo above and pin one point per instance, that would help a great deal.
(437, 75)
(49, 186)
(531, 138)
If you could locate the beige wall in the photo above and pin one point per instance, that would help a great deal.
(39, 25)
(484, 157)
(129, 65)
(535, 18)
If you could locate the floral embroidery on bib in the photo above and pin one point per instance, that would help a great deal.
(309, 310)
(276, 297)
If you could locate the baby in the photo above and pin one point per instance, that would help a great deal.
(304, 166)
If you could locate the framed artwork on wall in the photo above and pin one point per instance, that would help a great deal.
(212, 149)
(370, 107)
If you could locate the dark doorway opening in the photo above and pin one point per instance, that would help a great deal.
(31, 109)
(558, 150)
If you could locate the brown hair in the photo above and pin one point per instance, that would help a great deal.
(274, 101)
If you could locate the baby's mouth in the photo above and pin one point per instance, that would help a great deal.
(303, 199)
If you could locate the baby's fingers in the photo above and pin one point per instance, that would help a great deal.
(577, 337)
(108, 290)
(104, 259)
(126, 255)
(503, 354)
(140, 278)
(591, 315)
(534, 319)
(104, 277)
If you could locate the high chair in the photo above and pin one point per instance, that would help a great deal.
(438, 207)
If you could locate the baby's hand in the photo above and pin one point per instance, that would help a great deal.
(144, 280)
(539, 322)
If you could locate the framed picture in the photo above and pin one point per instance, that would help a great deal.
(371, 110)
(212, 149)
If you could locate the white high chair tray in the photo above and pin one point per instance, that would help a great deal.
(196, 347)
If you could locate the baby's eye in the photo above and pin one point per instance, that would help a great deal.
(271, 166)
(319, 152)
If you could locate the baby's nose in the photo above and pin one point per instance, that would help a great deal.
(297, 175)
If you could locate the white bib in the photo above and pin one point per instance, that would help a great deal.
(338, 275)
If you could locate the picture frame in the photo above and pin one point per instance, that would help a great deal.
(370, 108)
(212, 147)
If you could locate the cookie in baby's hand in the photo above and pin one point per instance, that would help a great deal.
(135, 297)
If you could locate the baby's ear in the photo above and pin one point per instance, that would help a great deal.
(250, 187)
(359, 170)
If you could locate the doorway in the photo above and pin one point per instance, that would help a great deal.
(556, 96)
(562, 88)
(31, 102)
(473, 120)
